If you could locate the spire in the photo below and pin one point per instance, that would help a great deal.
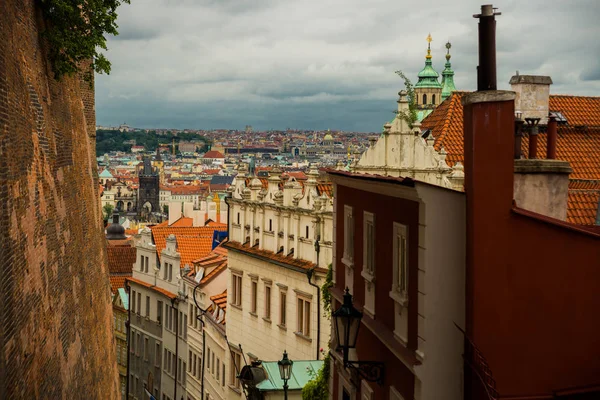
(429, 39)
(448, 76)
(428, 77)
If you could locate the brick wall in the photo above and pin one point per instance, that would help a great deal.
(55, 312)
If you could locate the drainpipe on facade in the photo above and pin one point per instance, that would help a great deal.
(202, 312)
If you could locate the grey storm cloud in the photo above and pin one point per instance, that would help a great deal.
(318, 64)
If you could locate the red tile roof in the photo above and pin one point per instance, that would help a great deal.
(213, 154)
(192, 242)
(117, 282)
(269, 255)
(583, 206)
(155, 288)
(578, 110)
(183, 222)
(120, 259)
(218, 225)
(325, 187)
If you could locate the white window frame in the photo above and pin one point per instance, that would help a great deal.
(268, 302)
(303, 315)
(253, 295)
(368, 271)
(236, 289)
(283, 317)
(348, 257)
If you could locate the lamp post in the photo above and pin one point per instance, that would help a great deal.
(285, 370)
(346, 323)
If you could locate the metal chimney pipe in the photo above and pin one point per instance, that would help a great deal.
(552, 134)
(518, 135)
(486, 70)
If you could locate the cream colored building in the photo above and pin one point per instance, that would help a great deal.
(159, 321)
(405, 152)
(280, 234)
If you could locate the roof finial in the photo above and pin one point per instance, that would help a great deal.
(429, 39)
(448, 46)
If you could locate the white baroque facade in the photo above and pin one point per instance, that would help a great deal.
(404, 152)
(280, 233)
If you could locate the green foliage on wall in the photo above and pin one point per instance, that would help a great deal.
(409, 117)
(75, 30)
(318, 387)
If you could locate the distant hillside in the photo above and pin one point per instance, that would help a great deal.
(109, 140)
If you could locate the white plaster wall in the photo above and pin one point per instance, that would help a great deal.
(267, 340)
(546, 194)
(442, 258)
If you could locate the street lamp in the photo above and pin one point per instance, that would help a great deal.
(346, 323)
(285, 370)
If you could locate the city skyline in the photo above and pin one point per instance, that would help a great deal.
(206, 65)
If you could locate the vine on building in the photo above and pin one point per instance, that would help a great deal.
(410, 116)
(75, 31)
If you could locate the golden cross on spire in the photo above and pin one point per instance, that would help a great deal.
(429, 39)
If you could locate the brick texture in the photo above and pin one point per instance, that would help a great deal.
(55, 317)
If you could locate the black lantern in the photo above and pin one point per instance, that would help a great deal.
(285, 370)
(346, 323)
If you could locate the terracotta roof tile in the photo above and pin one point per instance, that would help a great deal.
(213, 154)
(294, 262)
(218, 225)
(155, 288)
(325, 187)
(578, 141)
(120, 259)
(183, 222)
(192, 242)
(119, 243)
(117, 282)
(584, 199)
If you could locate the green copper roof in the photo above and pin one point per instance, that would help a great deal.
(302, 372)
(421, 114)
(447, 76)
(428, 77)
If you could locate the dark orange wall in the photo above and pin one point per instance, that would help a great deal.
(387, 210)
(56, 315)
(532, 287)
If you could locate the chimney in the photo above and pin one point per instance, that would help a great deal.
(174, 211)
(532, 95)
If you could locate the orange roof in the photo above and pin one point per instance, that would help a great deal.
(578, 110)
(155, 288)
(117, 282)
(119, 243)
(183, 222)
(216, 224)
(213, 154)
(325, 187)
(131, 231)
(192, 242)
(264, 182)
(582, 207)
(211, 171)
(121, 259)
(220, 299)
(291, 261)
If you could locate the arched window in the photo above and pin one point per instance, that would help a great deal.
(433, 99)
(424, 99)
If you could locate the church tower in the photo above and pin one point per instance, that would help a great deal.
(428, 90)
(447, 76)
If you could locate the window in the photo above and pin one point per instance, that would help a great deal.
(267, 301)
(433, 99)
(399, 292)
(303, 313)
(139, 303)
(236, 285)
(165, 359)
(400, 261)
(159, 306)
(369, 244)
(223, 375)
(148, 306)
(142, 263)
(157, 355)
(146, 348)
(348, 257)
(236, 362)
(253, 294)
(424, 99)
(138, 342)
(133, 300)
(270, 225)
(282, 308)
(170, 272)
(212, 364)
(132, 346)
(208, 359)
(306, 236)
(165, 273)
(218, 368)
(238, 218)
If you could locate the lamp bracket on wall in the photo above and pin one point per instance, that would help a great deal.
(372, 371)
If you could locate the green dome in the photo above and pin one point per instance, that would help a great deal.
(448, 76)
(428, 77)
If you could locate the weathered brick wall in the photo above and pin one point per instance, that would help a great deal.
(55, 311)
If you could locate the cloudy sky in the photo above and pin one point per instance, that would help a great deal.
(319, 64)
